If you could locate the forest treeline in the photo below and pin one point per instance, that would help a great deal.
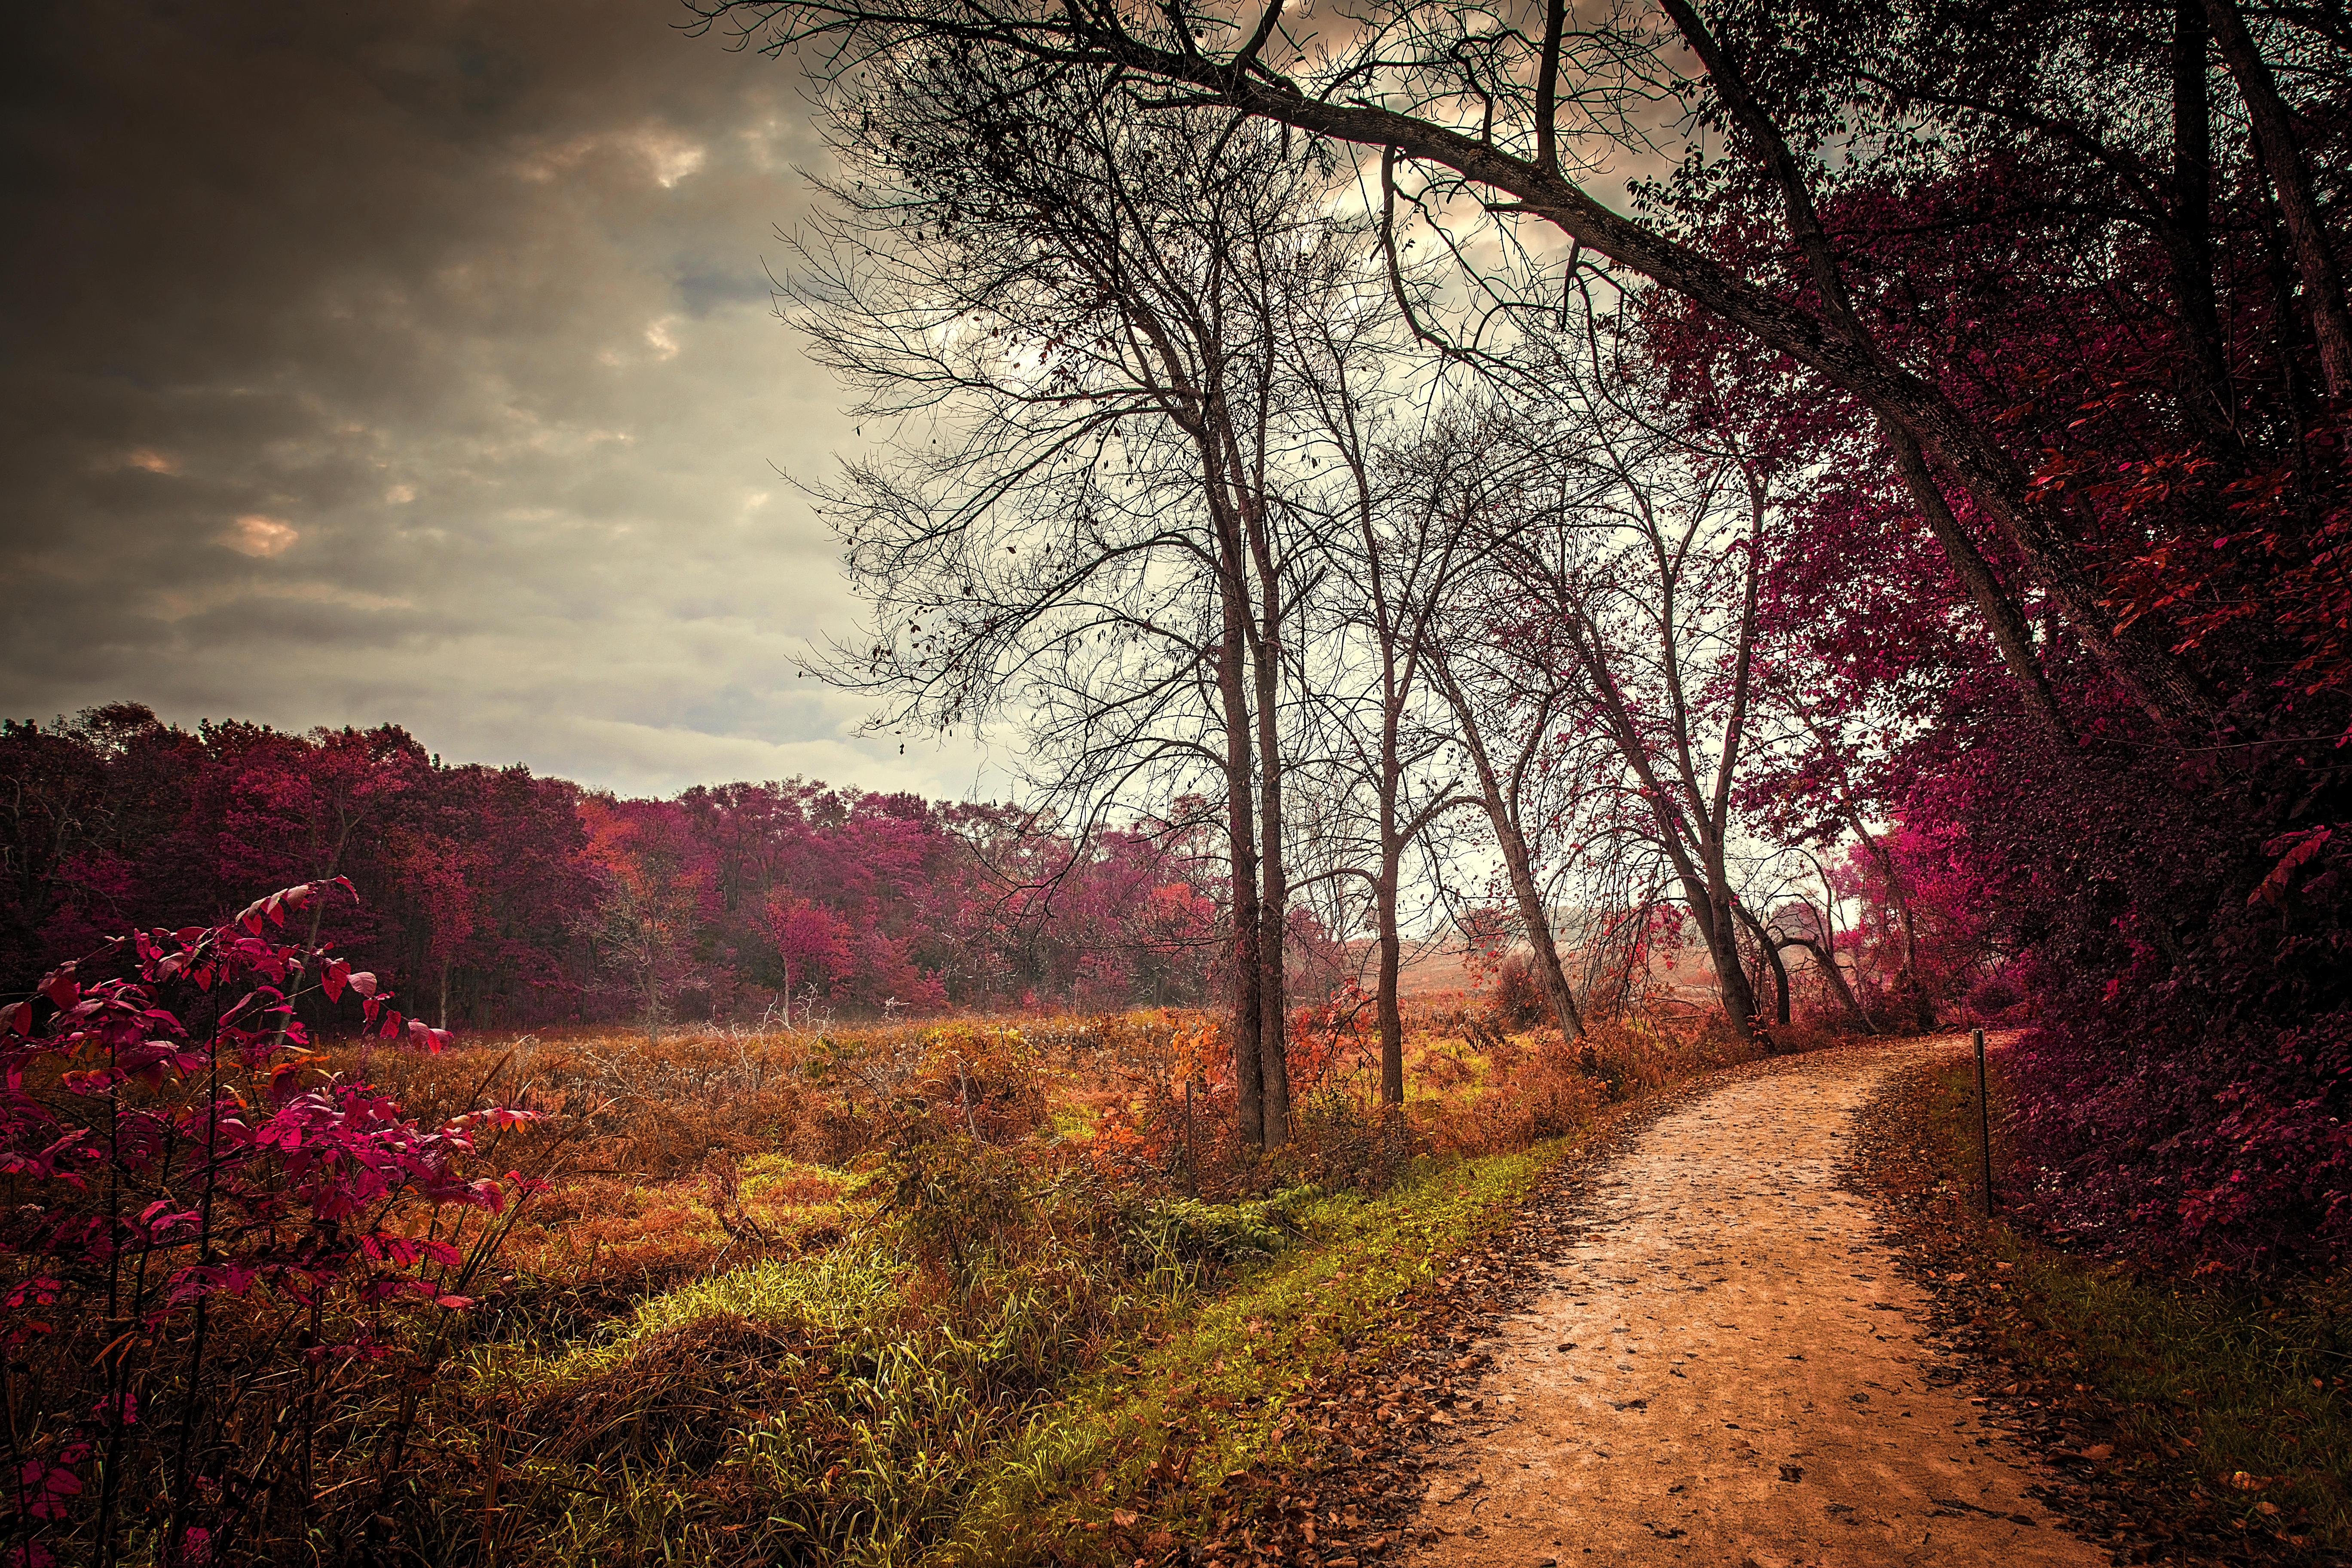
(500, 898)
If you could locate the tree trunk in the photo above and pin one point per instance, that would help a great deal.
(2001, 615)
(1273, 905)
(2189, 236)
(1717, 930)
(1537, 917)
(1517, 862)
(1769, 953)
(2290, 173)
(1241, 831)
(1390, 1008)
(1389, 1005)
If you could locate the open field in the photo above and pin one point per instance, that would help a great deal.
(958, 1292)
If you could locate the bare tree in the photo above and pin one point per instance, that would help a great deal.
(1621, 607)
(1370, 677)
(1498, 107)
(1089, 327)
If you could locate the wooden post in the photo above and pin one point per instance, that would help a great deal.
(1984, 1126)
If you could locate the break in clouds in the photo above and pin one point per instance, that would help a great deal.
(416, 363)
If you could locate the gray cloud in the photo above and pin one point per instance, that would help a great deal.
(414, 362)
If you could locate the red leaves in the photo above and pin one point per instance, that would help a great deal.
(303, 1169)
(273, 907)
(46, 1488)
(2299, 848)
(39, 1290)
(401, 1251)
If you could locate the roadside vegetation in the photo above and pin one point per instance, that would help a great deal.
(2204, 1411)
(926, 1319)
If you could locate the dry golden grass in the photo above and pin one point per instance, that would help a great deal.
(872, 1286)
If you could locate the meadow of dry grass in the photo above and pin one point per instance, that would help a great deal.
(986, 1290)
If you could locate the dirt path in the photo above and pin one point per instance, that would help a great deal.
(1725, 1369)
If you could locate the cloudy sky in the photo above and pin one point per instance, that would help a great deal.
(414, 362)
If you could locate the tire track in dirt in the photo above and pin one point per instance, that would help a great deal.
(1725, 1368)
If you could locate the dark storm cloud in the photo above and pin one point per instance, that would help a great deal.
(414, 362)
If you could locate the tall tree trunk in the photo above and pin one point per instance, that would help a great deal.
(2001, 615)
(1517, 862)
(1388, 1003)
(2290, 173)
(2189, 236)
(1273, 905)
(1240, 832)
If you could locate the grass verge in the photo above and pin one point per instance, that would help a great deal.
(1139, 1454)
(2192, 1418)
(834, 1408)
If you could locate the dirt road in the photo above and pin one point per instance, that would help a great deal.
(1725, 1370)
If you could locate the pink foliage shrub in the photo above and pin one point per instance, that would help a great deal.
(209, 1235)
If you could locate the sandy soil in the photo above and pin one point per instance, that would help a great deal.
(1726, 1369)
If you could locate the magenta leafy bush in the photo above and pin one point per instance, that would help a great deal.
(214, 1246)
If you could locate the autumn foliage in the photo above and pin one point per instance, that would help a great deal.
(219, 1246)
(2168, 910)
(513, 900)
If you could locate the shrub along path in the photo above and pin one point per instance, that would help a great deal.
(1724, 1367)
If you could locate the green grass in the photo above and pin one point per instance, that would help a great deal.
(827, 1409)
(1205, 1396)
(2232, 1397)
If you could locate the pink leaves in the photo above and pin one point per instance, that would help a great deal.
(233, 1277)
(2299, 849)
(273, 908)
(161, 1220)
(402, 1251)
(46, 1488)
(40, 1290)
(304, 1169)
